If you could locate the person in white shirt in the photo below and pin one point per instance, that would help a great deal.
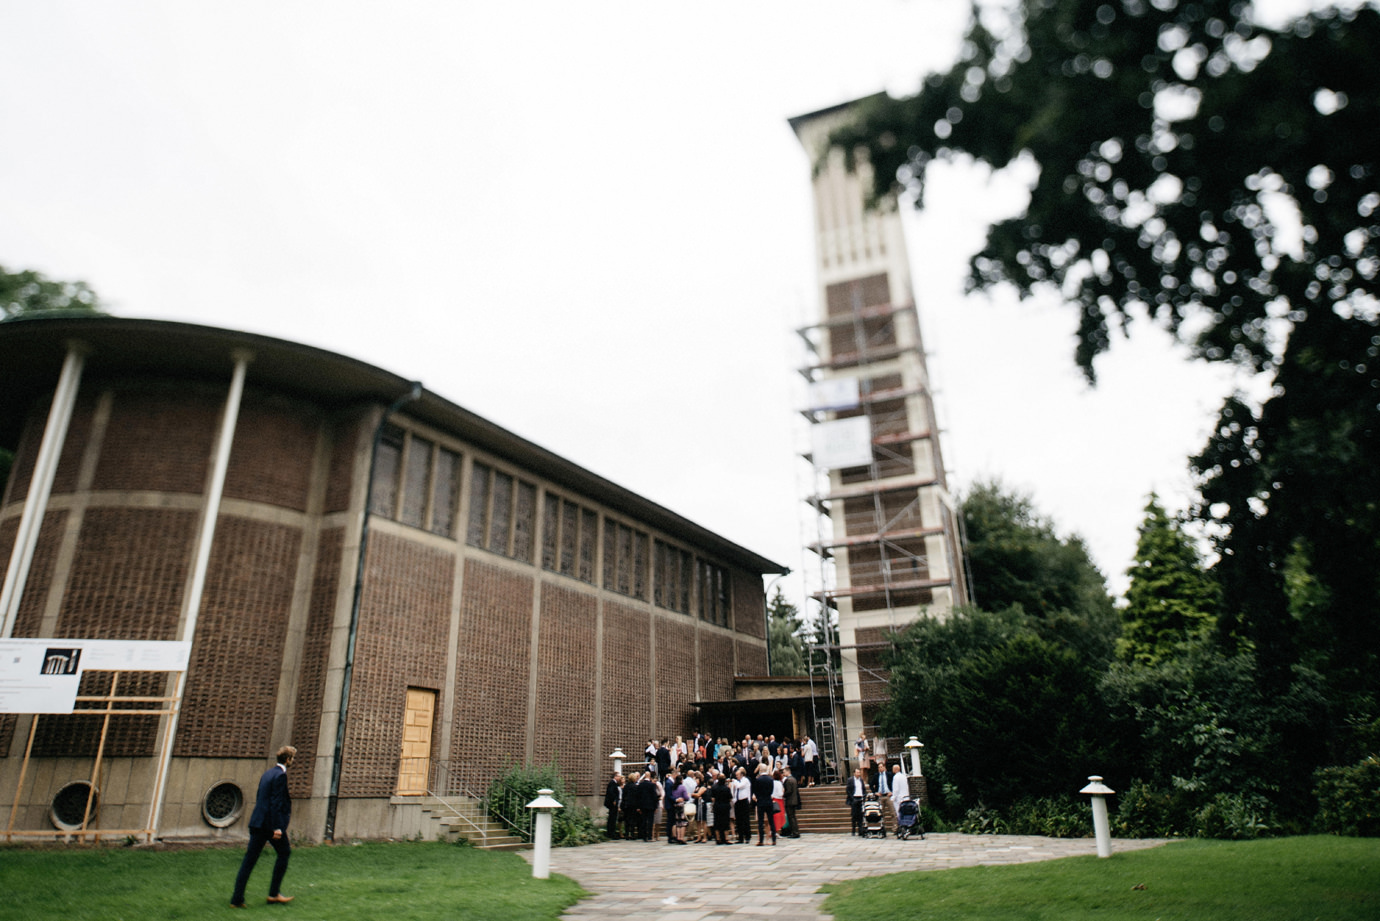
(742, 806)
(900, 788)
(809, 751)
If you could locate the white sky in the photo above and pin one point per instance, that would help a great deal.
(588, 222)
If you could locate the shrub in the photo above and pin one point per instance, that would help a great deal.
(1349, 798)
(1054, 817)
(510, 793)
(982, 820)
(1145, 812)
(1235, 817)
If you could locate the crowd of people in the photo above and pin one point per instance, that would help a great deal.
(704, 789)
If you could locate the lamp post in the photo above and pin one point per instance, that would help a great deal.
(618, 757)
(544, 804)
(914, 746)
(1101, 827)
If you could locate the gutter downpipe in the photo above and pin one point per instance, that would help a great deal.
(337, 758)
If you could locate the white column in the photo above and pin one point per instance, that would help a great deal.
(41, 485)
(203, 558)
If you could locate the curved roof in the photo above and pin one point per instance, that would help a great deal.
(32, 351)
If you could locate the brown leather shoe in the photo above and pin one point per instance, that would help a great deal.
(279, 899)
(237, 905)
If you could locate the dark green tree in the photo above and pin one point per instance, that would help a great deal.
(1221, 179)
(785, 646)
(1015, 557)
(1171, 602)
(30, 293)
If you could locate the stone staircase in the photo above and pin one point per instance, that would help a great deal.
(455, 817)
(823, 810)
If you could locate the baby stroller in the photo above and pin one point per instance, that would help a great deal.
(872, 818)
(908, 821)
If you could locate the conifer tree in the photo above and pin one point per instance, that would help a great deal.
(1171, 603)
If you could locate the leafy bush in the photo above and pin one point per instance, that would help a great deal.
(510, 793)
(1146, 812)
(1349, 798)
(1052, 816)
(1234, 817)
(982, 820)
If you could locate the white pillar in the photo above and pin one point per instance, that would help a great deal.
(41, 485)
(1102, 828)
(203, 558)
(541, 835)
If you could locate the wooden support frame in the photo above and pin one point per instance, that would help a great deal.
(104, 708)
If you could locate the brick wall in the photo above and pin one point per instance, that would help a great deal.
(127, 582)
(749, 604)
(232, 679)
(716, 665)
(566, 672)
(751, 658)
(874, 681)
(340, 479)
(271, 457)
(159, 438)
(404, 622)
(627, 701)
(316, 649)
(675, 675)
(491, 687)
(30, 614)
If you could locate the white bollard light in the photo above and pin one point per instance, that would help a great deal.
(1102, 828)
(541, 835)
(914, 746)
(618, 757)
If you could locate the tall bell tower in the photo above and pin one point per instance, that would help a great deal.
(888, 542)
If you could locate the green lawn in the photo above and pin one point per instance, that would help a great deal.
(404, 881)
(1285, 879)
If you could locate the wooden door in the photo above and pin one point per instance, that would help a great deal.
(414, 763)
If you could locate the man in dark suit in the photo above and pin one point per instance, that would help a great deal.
(647, 802)
(762, 786)
(857, 792)
(792, 802)
(268, 824)
(613, 799)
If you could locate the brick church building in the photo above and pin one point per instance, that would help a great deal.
(497, 603)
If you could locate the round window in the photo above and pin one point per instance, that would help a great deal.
(222, 805)
(69, 806)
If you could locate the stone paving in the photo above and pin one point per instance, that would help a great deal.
(706, 882)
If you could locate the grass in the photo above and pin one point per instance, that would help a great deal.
(1284, 879)
(403, 881)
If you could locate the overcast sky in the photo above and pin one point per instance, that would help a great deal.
(588, 222)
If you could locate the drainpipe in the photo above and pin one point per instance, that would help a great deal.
(337, 756)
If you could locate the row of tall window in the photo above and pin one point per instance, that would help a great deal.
(417, 482)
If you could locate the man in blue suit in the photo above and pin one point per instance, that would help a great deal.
(268, 824)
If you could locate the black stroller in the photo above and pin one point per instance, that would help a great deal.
(908, 821)
(872, 818)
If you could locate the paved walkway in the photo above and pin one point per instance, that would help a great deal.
(705, 882)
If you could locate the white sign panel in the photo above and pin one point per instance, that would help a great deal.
(41, 675)
(843, 443)
(834, 393)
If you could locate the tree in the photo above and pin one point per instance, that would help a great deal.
(786, 649)
(29, 293)
(1214, 176)
(1170, 602)
(1015, 557)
